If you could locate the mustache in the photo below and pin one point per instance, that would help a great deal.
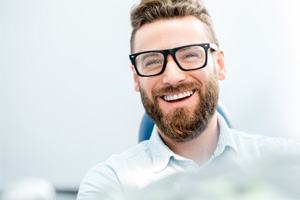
(176, 89)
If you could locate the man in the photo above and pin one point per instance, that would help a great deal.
(176, 63)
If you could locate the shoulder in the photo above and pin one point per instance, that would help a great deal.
(106, 177)
(261, 145)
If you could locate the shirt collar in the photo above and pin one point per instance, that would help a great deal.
(161, 154)
(225, 138)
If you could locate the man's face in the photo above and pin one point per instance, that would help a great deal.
(180, 102)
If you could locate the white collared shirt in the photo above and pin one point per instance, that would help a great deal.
(152, 160)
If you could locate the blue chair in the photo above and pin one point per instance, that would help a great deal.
(147, 123)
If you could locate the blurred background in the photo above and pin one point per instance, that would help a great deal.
(66, 91)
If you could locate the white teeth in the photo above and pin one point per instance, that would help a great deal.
(177, 96)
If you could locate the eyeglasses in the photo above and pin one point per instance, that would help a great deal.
(188, 57)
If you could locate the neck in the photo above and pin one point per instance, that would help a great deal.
(200, 148)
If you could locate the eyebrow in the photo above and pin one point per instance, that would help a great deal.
(149, 54)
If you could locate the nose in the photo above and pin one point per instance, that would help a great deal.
(173, 75)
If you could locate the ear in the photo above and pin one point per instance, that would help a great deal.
(135, 79)
(220, 65)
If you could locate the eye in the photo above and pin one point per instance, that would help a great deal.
(190, 55)
(153, 62)
(150, 60)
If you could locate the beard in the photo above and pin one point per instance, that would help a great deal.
(181, 125)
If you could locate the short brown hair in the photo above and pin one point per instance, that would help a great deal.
(148, 11)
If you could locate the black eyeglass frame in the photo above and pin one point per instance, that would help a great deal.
(172, 52)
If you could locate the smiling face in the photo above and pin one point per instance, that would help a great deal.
(180, 102)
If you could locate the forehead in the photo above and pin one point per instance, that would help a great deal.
(170, 33)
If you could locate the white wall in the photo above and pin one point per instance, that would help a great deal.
(67, 99)
(261, 43)
(66, 94)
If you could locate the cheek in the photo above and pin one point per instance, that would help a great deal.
(147, 85)
(202, 75)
